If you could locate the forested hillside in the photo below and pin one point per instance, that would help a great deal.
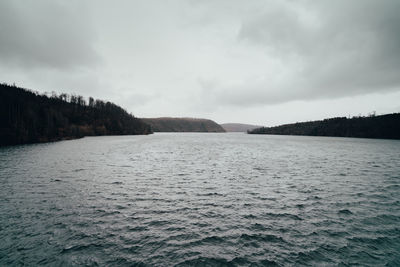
(384, 126)
(30, 117)
(183, 125)
(238, 127)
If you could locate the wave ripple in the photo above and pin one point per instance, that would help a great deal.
(201, 200)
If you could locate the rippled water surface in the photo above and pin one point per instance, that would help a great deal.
(201, 199)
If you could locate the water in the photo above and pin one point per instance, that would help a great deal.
(201, 199)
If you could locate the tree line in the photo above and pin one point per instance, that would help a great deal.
(372, 126)
(29, 117)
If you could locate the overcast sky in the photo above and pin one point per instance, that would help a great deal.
(259, 61)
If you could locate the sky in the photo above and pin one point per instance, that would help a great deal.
(264, 62)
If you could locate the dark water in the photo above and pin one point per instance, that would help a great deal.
(201, 199)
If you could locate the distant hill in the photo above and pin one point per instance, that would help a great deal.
(29, 117)
(167, 124)
(384, 126)
(238, 127)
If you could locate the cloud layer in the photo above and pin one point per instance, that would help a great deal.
(219, 59)
(329, 49)
(46, 34)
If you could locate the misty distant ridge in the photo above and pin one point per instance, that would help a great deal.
(169, 124)
(239, 127)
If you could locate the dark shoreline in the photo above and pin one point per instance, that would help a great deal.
(376, 127)
(29, 117)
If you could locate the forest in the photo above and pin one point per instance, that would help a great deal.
(383, 126)
(30, 117)
(167, 124)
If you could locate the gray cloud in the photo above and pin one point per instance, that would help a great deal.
(331, 49)
(49, 34)
(227, 59)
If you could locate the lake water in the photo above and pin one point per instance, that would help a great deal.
(195, 199)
